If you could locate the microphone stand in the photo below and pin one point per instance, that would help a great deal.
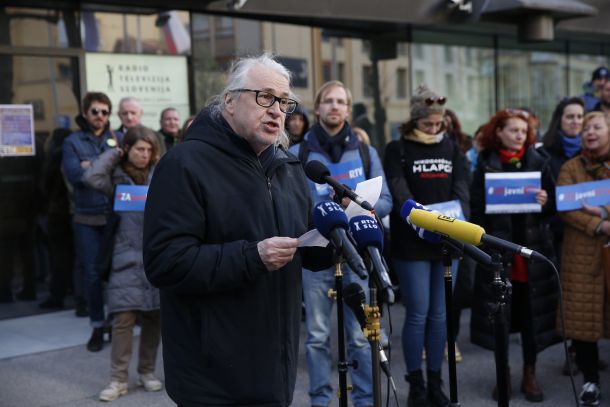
(447, 262)
(372, 331)
(342, 364)
(501, 291)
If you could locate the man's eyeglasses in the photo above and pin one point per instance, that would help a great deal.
(95, 111)
(441, 100)
(266, 99)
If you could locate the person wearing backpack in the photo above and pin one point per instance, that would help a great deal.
(332, 142)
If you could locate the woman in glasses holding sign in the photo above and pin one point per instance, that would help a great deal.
(130, 295)
(585, 273)
(514, 211)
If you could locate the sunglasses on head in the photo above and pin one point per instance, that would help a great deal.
(440, 100)
(518, 112)
(95, 111)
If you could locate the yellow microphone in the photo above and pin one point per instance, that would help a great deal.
(466, 232)
(444, 225)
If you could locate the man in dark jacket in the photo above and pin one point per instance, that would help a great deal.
(223, 211)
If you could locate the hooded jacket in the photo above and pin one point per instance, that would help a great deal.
(230, 328)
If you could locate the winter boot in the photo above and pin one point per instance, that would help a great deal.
(417, 390)
(435, 391)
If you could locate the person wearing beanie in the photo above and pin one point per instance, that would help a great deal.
(427, 166)
(592, 90)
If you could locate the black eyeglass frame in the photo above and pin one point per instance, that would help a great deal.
(275, 99)
(95, 111)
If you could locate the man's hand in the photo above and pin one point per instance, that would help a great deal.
(277, 251)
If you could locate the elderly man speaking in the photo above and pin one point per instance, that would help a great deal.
(223, 212)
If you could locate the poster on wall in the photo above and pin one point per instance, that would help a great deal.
(157, 81)
(17, 130)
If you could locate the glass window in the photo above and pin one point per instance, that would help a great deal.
(38, 28)
(401, 83)
(367, 81)
(163, 33)
(581, 68)
(472, 100)
(533, 79)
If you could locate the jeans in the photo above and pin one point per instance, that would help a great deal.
(318, 308)
(87, 241)
(423, 294)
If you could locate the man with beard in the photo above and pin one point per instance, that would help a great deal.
(332, 142)
(223, 212)
(90, 207)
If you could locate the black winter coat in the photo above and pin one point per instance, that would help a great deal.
(528, 230)
(230, 328)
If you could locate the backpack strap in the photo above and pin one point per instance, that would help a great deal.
(303, 152)
(365, 157)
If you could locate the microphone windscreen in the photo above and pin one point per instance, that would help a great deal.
(409, 205)
(366, 232)
(405, 213)
(328, 215)
(354, 297)
(316, 171)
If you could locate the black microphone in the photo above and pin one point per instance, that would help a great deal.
(320, 174)
(369, 238)
(354, 297)
(331, 222)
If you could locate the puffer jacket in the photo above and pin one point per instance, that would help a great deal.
(587, 313)
(527, 230)
(128, 288)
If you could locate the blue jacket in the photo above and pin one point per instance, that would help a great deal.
(83, 146)
(351, 153)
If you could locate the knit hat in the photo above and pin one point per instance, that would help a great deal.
(426, 102)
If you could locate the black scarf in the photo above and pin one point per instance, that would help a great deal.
(334, 146)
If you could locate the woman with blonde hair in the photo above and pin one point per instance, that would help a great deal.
(584, 276)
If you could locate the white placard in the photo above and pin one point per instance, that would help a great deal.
(157, 81)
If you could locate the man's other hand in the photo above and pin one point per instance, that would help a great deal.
(277, 251)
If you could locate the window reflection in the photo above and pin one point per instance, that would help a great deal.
(25, 27)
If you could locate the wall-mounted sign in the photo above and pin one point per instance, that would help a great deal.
(17, 130)
(157, 81)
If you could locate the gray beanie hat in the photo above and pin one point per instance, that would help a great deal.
(425, 102)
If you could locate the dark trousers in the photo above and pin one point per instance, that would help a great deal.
(522, 321)
(587, 359)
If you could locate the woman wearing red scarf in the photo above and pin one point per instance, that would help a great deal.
(508, 146)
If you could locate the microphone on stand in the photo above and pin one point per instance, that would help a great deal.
(320, 174)
(467, 232)
(331, 222)
(354, 298)
(369, 238)
(472, 251)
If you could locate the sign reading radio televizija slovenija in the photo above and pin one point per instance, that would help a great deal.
(157, 81)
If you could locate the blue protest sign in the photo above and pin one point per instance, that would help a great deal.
(452, 209)
(512, 192)
(130, 198)
(594, 193)
(349, 173)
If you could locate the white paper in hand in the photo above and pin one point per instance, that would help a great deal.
(369, 190)
(312, 238)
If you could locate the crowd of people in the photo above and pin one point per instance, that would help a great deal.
(215, 258)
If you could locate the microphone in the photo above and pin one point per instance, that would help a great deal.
(369, 238)
(467, 232)
(354, 298)
(331, 222)
(474, 252)
(320, 174)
